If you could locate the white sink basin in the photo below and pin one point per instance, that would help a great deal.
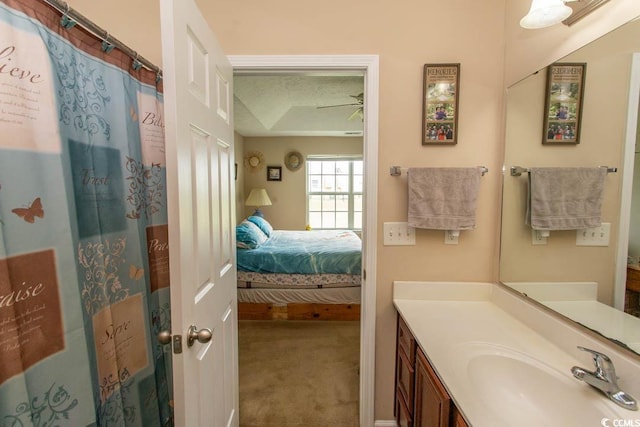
(509, 384)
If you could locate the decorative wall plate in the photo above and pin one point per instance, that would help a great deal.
(293, 161)
(254, 161)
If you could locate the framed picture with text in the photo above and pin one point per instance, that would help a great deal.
(441, 86)
(563, 103)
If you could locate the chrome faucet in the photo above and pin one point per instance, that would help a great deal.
(604, 379)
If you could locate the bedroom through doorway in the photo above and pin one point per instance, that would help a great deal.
(299, 140)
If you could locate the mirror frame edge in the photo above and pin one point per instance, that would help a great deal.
(578, 327)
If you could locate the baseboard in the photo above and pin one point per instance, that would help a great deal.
(385, 423)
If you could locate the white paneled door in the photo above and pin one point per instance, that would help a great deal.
(200, 187)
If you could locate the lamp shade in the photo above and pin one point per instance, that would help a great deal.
(258, 197)
(544, 13)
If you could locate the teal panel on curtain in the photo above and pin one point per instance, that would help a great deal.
(84, 259)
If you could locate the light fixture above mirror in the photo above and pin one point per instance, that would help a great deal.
(582, 8)
(545, 13)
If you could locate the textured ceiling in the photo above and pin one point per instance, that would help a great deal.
(287, 105)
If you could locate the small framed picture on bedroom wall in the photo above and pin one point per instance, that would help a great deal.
(441, 83)
(563, 103)
(274, 173)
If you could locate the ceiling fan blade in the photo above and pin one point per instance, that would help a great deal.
(339, 105)
(358, 113)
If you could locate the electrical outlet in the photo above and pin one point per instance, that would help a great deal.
(538, 237)
(451, 237)
(596, 236)
(398, 234)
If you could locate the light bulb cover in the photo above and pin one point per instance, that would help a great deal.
(544, 13)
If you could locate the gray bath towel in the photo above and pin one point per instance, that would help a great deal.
(443, 198)
(565, 198)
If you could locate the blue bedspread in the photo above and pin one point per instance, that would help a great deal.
(304, 252)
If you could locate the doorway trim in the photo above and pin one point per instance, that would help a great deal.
(370, 65)
(626, 191)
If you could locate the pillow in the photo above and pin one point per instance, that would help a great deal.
(249, 236)
(262, 224)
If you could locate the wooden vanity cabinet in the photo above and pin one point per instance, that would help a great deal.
(421, 399)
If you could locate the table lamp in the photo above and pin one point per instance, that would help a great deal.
(258, 197)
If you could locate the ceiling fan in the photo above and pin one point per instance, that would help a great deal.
(359, 102)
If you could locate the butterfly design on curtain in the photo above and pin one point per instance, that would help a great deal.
(136, 272)
(29, 214)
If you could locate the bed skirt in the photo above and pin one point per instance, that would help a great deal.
(299, 304)
(248, 279)
(298, 296)
(349, 295)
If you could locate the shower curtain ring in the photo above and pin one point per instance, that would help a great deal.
(106, 46)
(66, 21)
(136, 64)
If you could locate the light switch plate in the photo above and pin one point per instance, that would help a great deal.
(398, 234)
(596, 236)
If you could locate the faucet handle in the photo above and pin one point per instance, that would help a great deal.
(596, 354)
(604, 365)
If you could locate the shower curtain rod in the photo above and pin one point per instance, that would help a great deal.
(89, 25)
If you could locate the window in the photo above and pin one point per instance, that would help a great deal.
(334, 192)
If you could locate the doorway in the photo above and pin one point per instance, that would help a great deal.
(368, 64)
(629, 205)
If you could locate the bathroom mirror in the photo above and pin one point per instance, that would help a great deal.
(579, 282)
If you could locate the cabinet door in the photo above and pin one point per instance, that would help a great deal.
(432, 405)
(406, 342)
(458, 420)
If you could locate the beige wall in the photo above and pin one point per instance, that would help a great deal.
(405, 35)
(288, 211)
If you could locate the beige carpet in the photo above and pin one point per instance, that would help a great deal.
(299, 373)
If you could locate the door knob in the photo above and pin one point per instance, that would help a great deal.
(203, 336)
(164, 337)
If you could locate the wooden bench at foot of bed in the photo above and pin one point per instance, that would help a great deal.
(291, 311)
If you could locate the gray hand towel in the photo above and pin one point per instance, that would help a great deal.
(565, 198)
(443, 198)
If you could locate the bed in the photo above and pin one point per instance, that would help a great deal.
(285, 274)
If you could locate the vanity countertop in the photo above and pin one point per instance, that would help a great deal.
(506, 362)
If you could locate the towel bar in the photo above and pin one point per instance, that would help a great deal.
(397, 170)
(519, 170)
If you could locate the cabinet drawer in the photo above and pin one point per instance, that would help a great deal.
(406, 342)
(633, 279)
(405, 379)
(403, 416)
